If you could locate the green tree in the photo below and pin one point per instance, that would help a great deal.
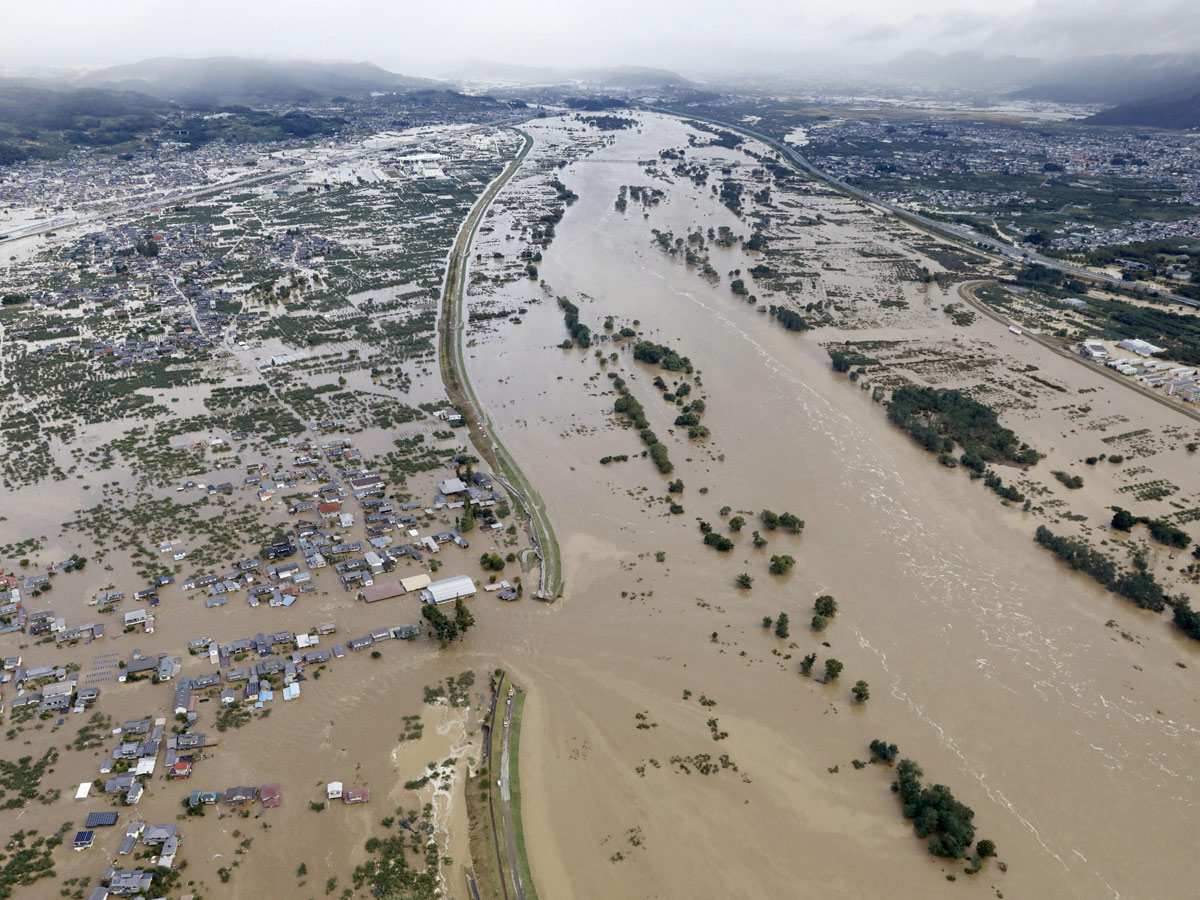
(766, 621)
(825, 606)
(885, 751)
(744, 581)
(463, 619)
(806, 664)
(770, 520)
(444, 628)
(819, 623)
(1123, 519)
(833, 668)
(985, 848)
(467, 523)
(736, 523)
(861, 691)
(759, 540)
(791, 523)
(781, 625)
(781, 565)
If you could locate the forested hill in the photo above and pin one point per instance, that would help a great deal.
(1175, 112)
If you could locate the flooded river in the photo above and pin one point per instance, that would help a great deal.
(989, 663)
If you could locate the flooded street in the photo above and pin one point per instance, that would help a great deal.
(989, 663)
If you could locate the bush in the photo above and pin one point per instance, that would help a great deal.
(819, 623)
(1168, 534)
(719, 541)
(885, 751)
(1072, 481)
(781, 625)
(1123, 519)
(781, 565)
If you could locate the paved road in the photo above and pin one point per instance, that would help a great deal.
(491, 767)
(510, 834)
(946, 229)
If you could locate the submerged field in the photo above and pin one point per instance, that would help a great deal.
(650, 317)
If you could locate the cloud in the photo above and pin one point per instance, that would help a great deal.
(697, 36)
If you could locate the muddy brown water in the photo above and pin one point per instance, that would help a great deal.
(989, 664)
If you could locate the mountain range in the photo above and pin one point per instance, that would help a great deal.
(235, 80)
(613, 78)
(1143, 90)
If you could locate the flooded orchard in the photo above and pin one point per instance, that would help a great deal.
(989, 663)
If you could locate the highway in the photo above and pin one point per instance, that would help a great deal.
(950, 230)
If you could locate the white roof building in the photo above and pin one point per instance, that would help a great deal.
(1140, 347)
(448, 590)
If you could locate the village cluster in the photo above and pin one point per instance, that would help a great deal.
(897, 161)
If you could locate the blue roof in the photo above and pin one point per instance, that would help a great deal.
(97, 819)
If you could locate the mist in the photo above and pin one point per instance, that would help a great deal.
(699, 39)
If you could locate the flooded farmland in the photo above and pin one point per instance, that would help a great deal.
(672, 746)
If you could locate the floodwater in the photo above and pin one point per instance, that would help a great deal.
(989, 663)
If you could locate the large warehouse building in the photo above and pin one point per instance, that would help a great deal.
(448, 590)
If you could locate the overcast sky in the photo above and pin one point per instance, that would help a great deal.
(693, 36)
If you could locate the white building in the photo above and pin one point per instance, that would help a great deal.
(448, 590)
(1140, 347)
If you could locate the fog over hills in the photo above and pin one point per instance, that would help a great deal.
(237, 80)
(1106, 79)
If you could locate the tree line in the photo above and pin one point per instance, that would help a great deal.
(1137, 584)
(581, 334)
(628, 405)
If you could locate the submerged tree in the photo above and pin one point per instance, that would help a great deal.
(781, 625)
(781, 565)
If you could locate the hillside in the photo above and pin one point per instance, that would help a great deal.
(235, 80)
(1179, 112)
(41, 122)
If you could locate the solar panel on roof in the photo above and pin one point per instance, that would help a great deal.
(97, 819)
